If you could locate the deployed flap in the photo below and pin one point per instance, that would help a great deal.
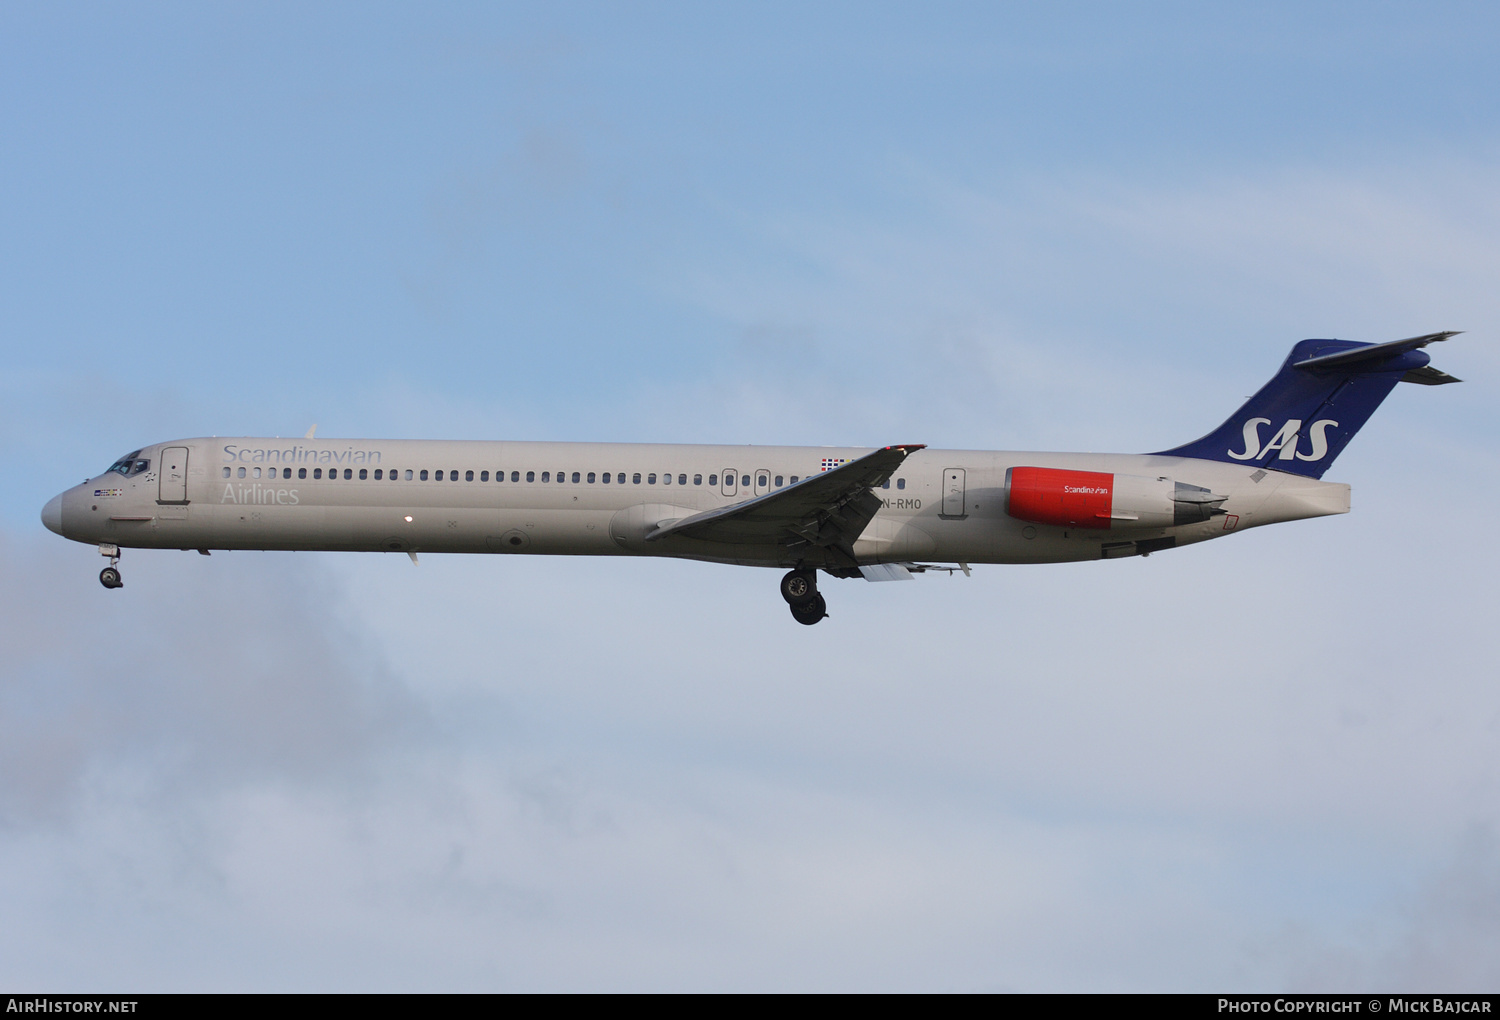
(827, 510)
(885, 572)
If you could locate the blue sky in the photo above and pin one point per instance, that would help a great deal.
(1266, 763)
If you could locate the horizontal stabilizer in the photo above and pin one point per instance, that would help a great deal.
(1369, 354)
(1429, 376)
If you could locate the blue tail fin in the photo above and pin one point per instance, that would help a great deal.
(1304, 417)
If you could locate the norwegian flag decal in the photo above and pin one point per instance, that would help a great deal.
(829, 463)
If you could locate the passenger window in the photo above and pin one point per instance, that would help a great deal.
(317, 472)
(620, 478)
(531, 476)
(636, 478)
(651, 478)
(270, 472)
(484, 476)
(666, 479)
(302, 473)
(348, 474)
(364, 474)
(697, 479)
(778, 481)
(745, 480)
(762, 481)
(452, 476)
(682, 479)
(605, 478)
(408, 474)
(901, 483)
(591, 478)
(546, 476)
(515, 476)
(794, 479)
(423, 475)
(226, 472)
(468, 476)
(886, 484)
(575, 478)
(713, 480)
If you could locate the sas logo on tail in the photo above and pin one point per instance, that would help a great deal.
(1285, 440)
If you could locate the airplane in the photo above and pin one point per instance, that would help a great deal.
(883, 514)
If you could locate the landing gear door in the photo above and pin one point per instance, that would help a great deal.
(953, 493)
(173, 475)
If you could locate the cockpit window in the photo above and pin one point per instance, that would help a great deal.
(130, 464)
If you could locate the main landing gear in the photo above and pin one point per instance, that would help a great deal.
(800, 589)
(110, 575)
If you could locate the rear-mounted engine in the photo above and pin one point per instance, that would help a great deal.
(1093, 499)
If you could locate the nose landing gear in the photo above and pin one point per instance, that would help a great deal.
(110, 575)
(800, 589)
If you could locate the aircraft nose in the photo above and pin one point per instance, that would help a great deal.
(52, 514)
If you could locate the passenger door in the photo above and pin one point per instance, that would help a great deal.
(172, 477)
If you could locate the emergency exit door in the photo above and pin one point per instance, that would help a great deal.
(953, 493)
(172, 477)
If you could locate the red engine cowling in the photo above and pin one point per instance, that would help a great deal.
(1094, 499)
(1073, 499)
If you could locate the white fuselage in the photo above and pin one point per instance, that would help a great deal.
(551, 498)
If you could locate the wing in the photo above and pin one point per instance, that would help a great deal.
(822, 514)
